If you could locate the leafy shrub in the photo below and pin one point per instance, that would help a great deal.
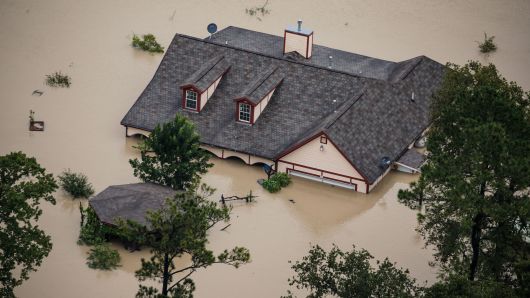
(92, 231)
(282, 178)
(57, 79)
(488, 45)
(148, 43)
(103, 257)
(76, 184)
(271, 185)
(276, 182)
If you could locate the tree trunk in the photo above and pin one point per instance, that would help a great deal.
(475, 244)
(166, 275)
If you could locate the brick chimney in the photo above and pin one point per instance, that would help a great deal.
(298, 39)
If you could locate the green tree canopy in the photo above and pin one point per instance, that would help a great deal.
(23, 185)
(349, 274)
(172, 156)
(178, 229)
(475, 184)
(457, 286)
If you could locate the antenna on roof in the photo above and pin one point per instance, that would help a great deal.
(212, 28)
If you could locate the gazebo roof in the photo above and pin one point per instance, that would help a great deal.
(129, 201)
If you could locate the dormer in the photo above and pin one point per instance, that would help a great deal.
(298, 39)
(201, 85)
(255, 98)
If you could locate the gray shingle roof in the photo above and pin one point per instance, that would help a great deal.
(263, 84)
(412, 158)
(208, 73)
(272, 45)
(368, 115)
(129, 201)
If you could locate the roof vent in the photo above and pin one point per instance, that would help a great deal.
(412, 96)
(330, 62)
(385, 162)
(299, 25)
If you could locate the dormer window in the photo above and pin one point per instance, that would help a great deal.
(256, 96)
(191, 100)
(201, 85)
(244, 112)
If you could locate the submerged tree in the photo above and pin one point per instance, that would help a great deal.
(23, 246)
(180, 228)
(475, 184)
(172, 156)
(349, 274)
(147, 43)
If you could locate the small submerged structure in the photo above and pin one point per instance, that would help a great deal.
(129, 202)
(36, 126)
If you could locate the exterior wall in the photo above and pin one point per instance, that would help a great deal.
(205, 96)
(247, 158)
(310, 49)
(214, 150)
(328, 163)
(131, 131)
(296, 42)
(259, 108)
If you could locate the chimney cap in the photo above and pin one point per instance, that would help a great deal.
(298, 29)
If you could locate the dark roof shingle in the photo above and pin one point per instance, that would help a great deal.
(129, 201)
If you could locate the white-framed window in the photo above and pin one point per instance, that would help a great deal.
(244, 112)
(191, 99)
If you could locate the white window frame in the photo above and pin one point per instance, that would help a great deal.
(249, 112)
(189, 98)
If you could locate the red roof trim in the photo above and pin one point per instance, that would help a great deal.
(245, 100)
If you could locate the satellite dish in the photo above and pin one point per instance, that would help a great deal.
(212, 28)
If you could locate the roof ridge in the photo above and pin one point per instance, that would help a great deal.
(205, 71)
(415, 64)
(348, 104)
(262, 80)
(277, 58)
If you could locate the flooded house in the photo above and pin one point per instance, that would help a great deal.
(312, 111)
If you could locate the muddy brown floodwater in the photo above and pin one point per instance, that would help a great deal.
(89, 40)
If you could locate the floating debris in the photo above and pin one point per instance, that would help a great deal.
(248, 198)
(37, 92)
